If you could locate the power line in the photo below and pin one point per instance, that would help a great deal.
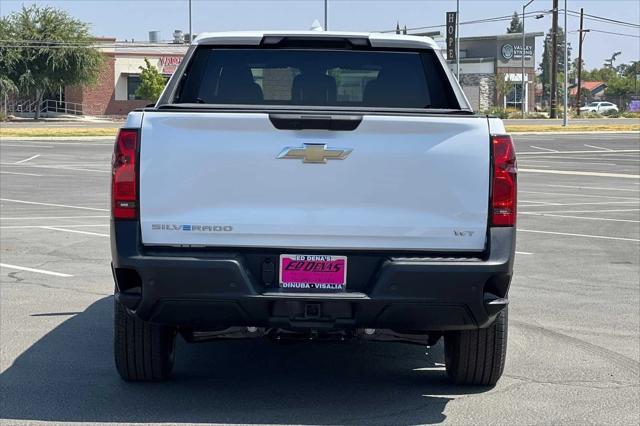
(613, 33)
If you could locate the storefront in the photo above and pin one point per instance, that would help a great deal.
(115, 90)
(491, 71)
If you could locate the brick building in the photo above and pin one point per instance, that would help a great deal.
(114, 91)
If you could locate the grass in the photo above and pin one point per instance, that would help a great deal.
(57, 131)
(514, 128)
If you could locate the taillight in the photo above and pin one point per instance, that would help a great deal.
(503, 190)
(124, 191)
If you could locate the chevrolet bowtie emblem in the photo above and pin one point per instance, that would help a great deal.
(314, 153)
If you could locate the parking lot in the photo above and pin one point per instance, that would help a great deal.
(574, 336)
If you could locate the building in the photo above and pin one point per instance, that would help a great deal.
(595, 88)
(491, 70)
(114, 91)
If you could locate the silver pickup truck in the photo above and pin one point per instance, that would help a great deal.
(313, 186)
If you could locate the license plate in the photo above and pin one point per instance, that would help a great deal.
(313, 272)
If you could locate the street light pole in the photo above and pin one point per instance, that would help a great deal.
(190, 32)
(565, 117)
(326, 28)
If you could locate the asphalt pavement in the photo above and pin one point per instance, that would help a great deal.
(574, 332)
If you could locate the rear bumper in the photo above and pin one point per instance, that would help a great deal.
(212, 289)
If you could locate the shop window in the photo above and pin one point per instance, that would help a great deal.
(513, 99)
(133, 82)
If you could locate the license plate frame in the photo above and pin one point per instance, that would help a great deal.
(309, 272)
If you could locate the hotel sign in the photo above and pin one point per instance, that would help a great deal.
(168, 64)
(451, 35)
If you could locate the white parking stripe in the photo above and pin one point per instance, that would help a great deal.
(592, 187)
(38, 271)
(523, 252)
(53, 205)
(40, 226)
(587, 211)
(576, 173)
(580, 217)
(543, 149)
(574, 152)
(51, 217)
(587, 204)
(21, 174)
(27, 159)
(598, 147)
(75, 231)
(603, 237)
(578, 195)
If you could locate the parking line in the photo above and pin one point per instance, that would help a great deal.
(579, 195)
(603, 237)
(75, 231)
(575, 152)
(587, 211)
(586, 204)
(577, 173)
(21, 174)
(27, 159)
(580, 217)
(53, 205)
(40, 226)
(598, 147)
(592, 187)
(523, 252)
(52, 217)
(38, 271)
(543, 149)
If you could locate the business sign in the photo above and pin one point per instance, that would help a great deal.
(452, 17)
(168, 64)
(511, 51)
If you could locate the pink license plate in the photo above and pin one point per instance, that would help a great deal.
(313, 272)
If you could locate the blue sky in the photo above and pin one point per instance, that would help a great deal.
(127, 19)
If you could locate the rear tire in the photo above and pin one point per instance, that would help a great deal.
(144, 352)
(477, 357)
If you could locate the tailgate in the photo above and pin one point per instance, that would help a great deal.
(408, 182)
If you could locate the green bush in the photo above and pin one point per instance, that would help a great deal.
(612, 113)
(629, 114)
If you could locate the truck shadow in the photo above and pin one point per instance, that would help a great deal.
(69, 375)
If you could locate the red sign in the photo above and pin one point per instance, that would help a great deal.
(168, 64)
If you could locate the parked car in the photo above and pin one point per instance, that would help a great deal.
(313, 186)
(599, 107)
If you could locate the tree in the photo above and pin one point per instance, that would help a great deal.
(50, 49)
(608, 63)
(516, 25)
(545, 65)
(151, 82)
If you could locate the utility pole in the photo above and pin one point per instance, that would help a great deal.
(524, 50)
(326, 23)
(190, 32)
(565, 116)
(554, 62)
(458, 39)
(580, 41)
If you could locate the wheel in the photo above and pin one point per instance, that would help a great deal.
(144, 352)
(476, 357)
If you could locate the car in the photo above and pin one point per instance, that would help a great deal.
(316, 185)
(600, 107)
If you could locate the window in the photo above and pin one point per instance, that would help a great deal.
(513, 99)
(323, 77)
(133, 82)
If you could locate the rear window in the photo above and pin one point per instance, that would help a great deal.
(343, 78)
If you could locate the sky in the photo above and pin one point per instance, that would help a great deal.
(128, 19)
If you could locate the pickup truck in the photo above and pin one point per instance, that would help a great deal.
(313, 185)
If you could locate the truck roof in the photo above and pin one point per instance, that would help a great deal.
(255, 38)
